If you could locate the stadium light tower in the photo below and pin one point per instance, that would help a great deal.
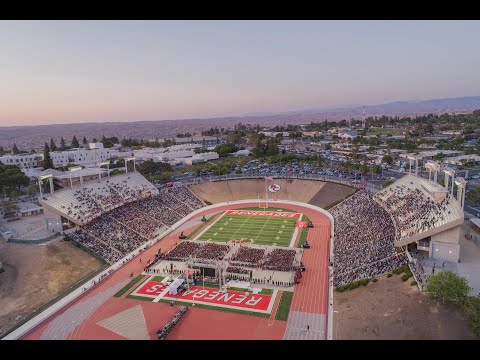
(364, 120)
(43, 177)
(461, 190)
(449, 173)
(126, 163)
(432, 166)
(103, 163)
(72, 170)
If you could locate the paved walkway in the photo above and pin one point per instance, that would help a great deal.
(64, 323)
(297, 326)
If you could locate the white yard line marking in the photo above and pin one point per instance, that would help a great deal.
(208, 227)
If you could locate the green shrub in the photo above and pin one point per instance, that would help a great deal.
(471, 310)
(448, 287)
(413, 283)
(352, 285)
(401, 269)
(406, 277)
(374, 280)
(208, 202)
(389, 275)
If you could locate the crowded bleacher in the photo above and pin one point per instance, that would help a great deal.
(120, 214)
(414, 210)
(87, 202)
(248, 256)
(364, 239)
(280, 260)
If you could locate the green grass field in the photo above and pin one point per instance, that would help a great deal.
(263, 230)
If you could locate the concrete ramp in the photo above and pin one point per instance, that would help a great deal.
(129, 323)
(297, 326)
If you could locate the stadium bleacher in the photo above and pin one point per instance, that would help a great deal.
(119, 214)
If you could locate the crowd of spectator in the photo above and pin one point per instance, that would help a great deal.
(248, 255)
(412, 209)
(134, 218)
(280, 260)
(212, 251)
(183, 251)
(115, 233)
(364, 237)
(106, 251)
(185, 195)
(237, 270)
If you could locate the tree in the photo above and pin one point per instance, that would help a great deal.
(328, 147)
(272, 147)
(257, 151)
(471, 310)
(75, 143)
(387, 159)
(84, 142)
(63, 145)
(14, 194)
(388, 183)
(448, 287)
(474, 195)
(2, 152)
(94, 140)
(32, 190)
(53, 147)
(47, 160)
(149, 167)
(224, 150)
(363, 169)
(166, 175)
(15, 149)
(9, 209)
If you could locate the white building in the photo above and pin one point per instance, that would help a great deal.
(243, 152)
(23, 161)
(348, 135)
(199, 158)
(173, 155)
(86, 157)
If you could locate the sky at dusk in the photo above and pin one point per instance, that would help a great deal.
(98, 71)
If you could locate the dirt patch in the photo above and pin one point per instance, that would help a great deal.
(392, 309)
(35, 274)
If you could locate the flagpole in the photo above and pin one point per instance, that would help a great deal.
(266, 194)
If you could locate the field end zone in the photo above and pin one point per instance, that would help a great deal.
(238, 300)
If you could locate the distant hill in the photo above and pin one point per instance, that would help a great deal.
(27, 137)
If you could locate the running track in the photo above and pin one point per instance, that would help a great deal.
(79, 319)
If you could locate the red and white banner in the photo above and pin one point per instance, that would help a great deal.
(235, 299)
(301, 224)
(264, 213)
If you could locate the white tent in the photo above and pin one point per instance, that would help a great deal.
(173, 287)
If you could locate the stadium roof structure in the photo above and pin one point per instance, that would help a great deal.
(448, 217)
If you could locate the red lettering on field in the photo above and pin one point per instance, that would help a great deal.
(263, 213)
(151, 288)
(231, 298)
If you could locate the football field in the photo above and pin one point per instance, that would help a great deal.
(263, 227)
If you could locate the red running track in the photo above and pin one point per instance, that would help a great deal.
(311, 295)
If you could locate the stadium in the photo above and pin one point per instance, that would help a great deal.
(244, 258)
